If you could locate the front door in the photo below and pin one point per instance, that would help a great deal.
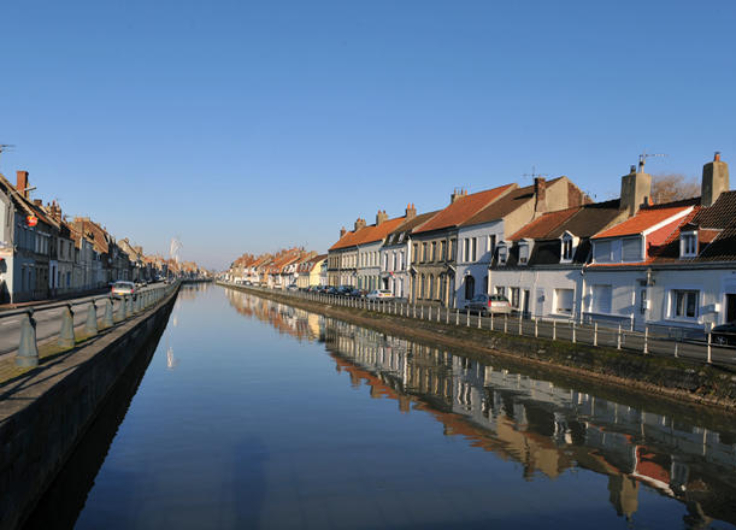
(526, 305)
(641, 305)
(539, 312)
(730, 307)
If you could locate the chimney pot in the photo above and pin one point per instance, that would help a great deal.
(717, 156)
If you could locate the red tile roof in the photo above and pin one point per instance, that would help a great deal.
(368, 234)
(645, 219)
(463, 209)
(544, 225)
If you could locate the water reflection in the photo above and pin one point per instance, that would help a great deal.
(549, 429)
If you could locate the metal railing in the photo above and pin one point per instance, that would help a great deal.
(114, 310)
(652, 340)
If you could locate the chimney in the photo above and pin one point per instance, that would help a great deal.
(22, 183)
(540, 195)
(411, 211)
(381, 217)
(38, 202)
(359, 223)
(457, 194)
(55, 211)
(343, 232)
(715, 180)
(636, 191)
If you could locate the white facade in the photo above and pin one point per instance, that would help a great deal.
(475, 248)
(369, 266)
(395, 267)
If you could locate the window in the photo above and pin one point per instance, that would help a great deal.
(442, 251)
(515, 297)
(500, 291)
(563, 301)
(523, 252)
(602, 297)
(453, 249)
(567, 248)
(474, 248)
(415, 251)
(632, 249)
(424, 252)
(421, 286)
(688, 245)
(469, 287)
(466, 249)
(685, 303)
(502, 251)
(401, 260)
(602, 251)
(433, 254)
(431, 287)
(491, 245)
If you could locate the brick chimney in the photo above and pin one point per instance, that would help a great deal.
(381, 217)
(636, 190)
(38, 202)
(22, 183)
(343, 232)
(715, 180)
(540, 195)
(55, 211)
(411, 211)
(457, 194)
(359, 223)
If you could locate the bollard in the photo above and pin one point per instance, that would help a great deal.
(520, 328)
(121, 310)
(536, 328)
(467, 317)
(447, 316)
(107, 320)
(127, 303)
(646, 340)
(554, 330)
(66, 334)
(90, 326)
(574, 332)
(457, 317)
(595, 333)
(415, 310)
(709, 359)
(421, 313)
(676, 349)
(27, 349)
(430, 313)
(439, 313)
(480, 319)
(506, 323)
(491, 324)
(618, 338)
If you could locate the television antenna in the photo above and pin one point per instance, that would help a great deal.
(6, 147)
(643, 158)
(534, 174)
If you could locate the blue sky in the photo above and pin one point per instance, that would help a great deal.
(242, 126)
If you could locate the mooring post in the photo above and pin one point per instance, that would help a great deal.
(66, 334)
(710, 337)
(90, 327)
(27, 348)
(108, 320)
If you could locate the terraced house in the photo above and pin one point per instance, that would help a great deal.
(487, 231)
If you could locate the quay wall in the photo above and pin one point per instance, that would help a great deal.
(705, 388)
(44, 416)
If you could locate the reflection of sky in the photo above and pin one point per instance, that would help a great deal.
(255, 428)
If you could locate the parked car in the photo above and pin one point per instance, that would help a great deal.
(724, 334)
(380, 294)
(292, 287)
(121, 289)
(489, 303)
(345, 290)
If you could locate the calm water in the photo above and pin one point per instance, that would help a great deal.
(254, 414)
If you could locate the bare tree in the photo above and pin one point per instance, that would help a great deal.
(674, 187)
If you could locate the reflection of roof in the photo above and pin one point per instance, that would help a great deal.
(647, 218)
(368, 234)
(463, 209)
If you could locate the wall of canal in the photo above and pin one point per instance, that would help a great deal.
(45, 414)
(678, 380)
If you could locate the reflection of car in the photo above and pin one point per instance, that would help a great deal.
(724, 334)
(380, 294)
(292, 287)
(121, 289)
(489, 303)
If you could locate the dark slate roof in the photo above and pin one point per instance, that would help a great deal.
(720, 214)
(723, 248)
(591, 219)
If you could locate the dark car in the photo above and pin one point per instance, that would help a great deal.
(724, 334)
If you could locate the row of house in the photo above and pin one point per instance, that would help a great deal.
(547, 247)
(44, 254)
(293, 266)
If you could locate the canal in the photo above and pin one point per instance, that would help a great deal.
(253, 414)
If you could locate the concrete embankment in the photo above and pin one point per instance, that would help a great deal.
(44, 416)
(702, 387)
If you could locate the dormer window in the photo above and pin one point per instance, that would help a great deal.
(523, 252)
(502, 253)
(688, 244)
(568, 245)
